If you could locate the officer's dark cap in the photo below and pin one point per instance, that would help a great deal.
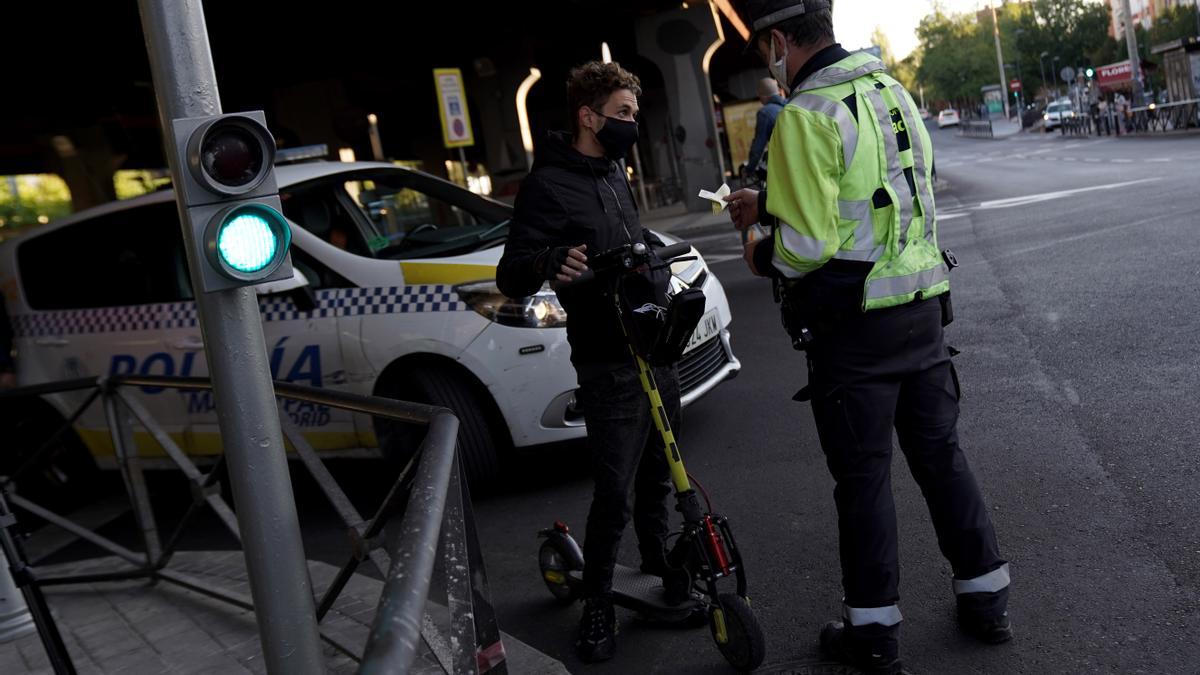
(761, 15)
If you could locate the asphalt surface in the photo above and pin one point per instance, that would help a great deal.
(1075, 313)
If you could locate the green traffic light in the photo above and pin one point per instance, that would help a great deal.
(247, 243)
(1090, 73)
(250, 240)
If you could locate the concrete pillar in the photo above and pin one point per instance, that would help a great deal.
(681, 42)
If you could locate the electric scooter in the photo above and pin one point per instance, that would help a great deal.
(703, 552)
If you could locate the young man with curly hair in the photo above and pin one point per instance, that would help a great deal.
(576, 202)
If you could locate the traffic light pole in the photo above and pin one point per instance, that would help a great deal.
(186, 86)
(1135, 59)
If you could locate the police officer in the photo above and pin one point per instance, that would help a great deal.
(849, 190)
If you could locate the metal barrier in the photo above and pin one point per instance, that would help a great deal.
(430, 495)
(976, 128)
(1166, 117)
(1077, 126)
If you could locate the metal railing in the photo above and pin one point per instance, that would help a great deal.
(436, 527)
(976, 128)
(1076, 126)
(1165, 117)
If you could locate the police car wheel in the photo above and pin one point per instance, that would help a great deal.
(477, 447)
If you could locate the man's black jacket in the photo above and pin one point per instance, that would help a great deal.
(567, 200)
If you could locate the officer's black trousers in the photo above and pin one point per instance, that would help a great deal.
(871, 372)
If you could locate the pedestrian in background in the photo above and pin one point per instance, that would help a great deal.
(770, 95)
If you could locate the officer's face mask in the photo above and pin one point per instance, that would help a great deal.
(778, 66)
(617, 136)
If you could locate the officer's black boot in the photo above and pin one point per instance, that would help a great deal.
(984, 616)
(873, 648)
(597, 639)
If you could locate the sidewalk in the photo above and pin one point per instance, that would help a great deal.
(135, 627)
(677, 221)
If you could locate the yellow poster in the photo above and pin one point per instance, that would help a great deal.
(739, 128)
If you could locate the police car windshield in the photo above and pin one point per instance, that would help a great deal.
(422, 217)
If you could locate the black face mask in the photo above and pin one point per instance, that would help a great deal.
(617, 136)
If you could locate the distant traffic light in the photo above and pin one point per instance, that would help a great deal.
(1089, 72)
(231, 199)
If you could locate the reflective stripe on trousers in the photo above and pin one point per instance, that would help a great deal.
(996, 580)
(861, 616)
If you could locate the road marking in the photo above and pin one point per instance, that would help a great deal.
(1122, 161)
(1092, 160)
(951, 216)
(1077, 237)
(1068, 159)
(1159, 160)
(1047, 196)
(720, 258)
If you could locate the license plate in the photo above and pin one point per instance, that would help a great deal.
(709, 326)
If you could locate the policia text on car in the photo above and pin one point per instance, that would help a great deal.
(854, 243)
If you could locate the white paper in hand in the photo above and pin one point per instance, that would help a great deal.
(717, 198)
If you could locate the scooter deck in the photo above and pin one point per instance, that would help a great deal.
(645, 593)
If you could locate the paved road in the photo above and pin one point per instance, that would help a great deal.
(1076, 315)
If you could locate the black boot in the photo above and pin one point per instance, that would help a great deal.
(984, 616)
(597, 639)
(873, 649)
(677, 581)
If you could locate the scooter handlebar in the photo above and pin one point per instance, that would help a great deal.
(605, 261)
(666, 253)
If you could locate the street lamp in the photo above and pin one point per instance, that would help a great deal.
(1042, 67)
(1054, 72)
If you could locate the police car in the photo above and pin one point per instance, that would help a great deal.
(394, 295)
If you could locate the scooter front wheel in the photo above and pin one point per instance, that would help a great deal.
(556, 572)
(736, 631)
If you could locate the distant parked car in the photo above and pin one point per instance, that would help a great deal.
(1056, 113)
(924, 113)
(948, 118)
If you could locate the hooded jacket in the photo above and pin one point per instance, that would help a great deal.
(567, 200)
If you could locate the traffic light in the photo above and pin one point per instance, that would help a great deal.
(1090, 73)
(233, 211)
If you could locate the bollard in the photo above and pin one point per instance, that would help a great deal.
(15, 619)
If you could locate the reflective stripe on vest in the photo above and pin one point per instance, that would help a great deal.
(835, 74)
(886, 287)
(901, 193)
(840, 113)
(864, 248)
(863, 616)
(925, 195)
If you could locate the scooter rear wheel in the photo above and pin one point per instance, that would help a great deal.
(737, 633)
(556, 572)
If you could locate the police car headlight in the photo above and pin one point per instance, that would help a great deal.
(541, 310)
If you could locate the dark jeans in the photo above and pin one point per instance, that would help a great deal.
(627, 461)
(871, 372)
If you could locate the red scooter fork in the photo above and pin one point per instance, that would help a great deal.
(716, 545)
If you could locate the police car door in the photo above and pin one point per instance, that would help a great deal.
(106, 316)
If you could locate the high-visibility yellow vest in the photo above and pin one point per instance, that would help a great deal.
(849, 177)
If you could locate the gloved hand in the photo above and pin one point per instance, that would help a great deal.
(565, 263)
